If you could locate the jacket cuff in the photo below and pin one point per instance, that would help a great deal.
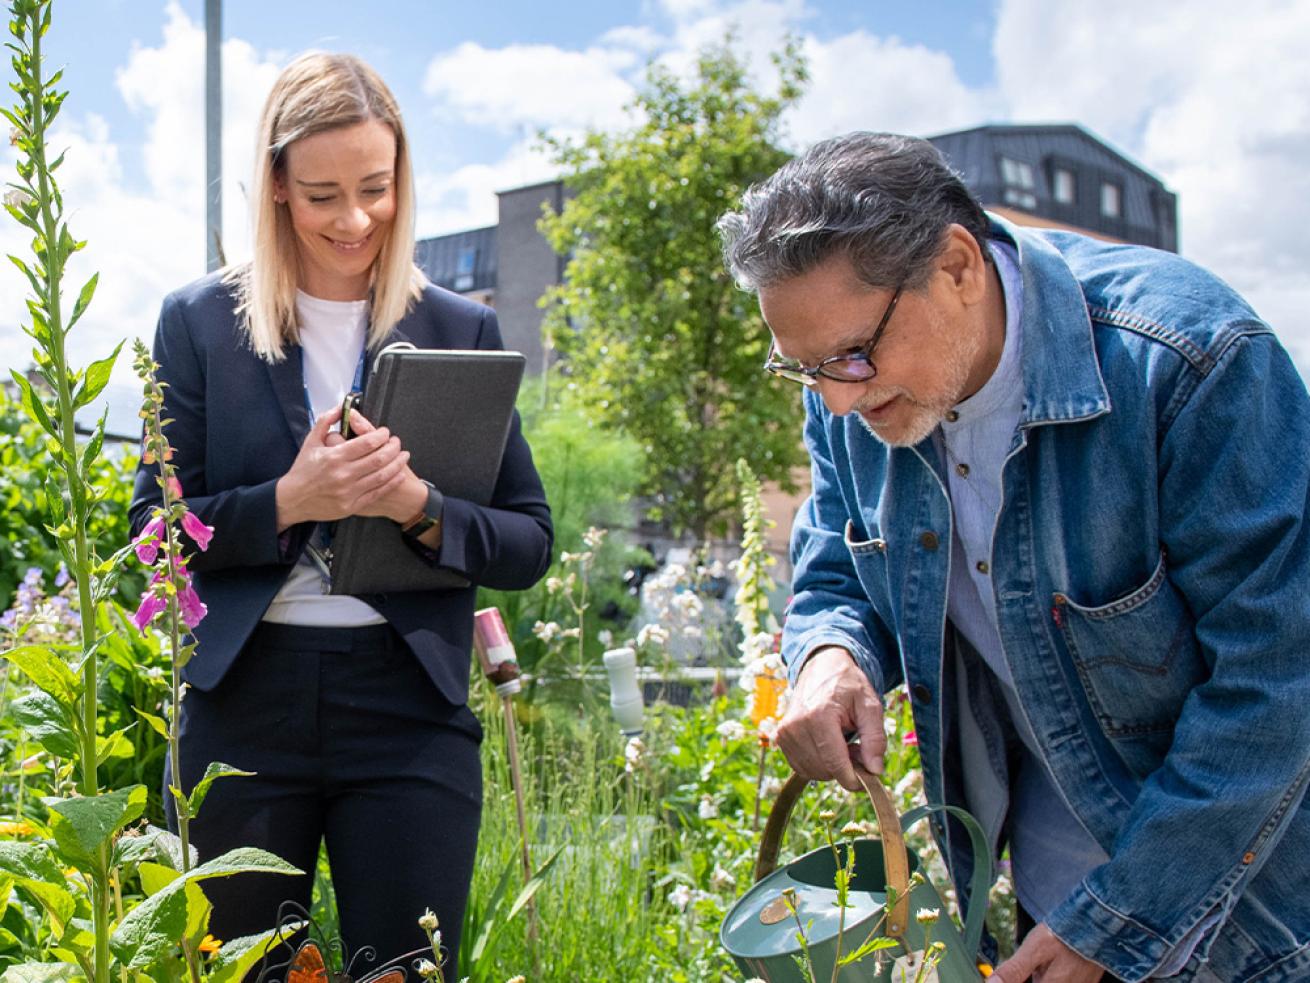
(1086, 924)
(819, 638)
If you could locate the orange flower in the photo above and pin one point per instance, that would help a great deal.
(20, 828)
(210, 945)
(768, 689)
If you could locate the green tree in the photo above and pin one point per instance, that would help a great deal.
(654, 333)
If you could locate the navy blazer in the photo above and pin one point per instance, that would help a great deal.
(237, 424)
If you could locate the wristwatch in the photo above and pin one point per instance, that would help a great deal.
(429, 517)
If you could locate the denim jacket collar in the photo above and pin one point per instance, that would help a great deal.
(1061, 374)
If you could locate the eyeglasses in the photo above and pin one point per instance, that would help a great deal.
(856, 366)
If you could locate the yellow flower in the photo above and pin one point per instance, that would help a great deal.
(768, 690)
(20, 828)
(210, 945)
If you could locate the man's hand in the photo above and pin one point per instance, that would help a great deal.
(832, 698)
(331, 479)
(1044, 958)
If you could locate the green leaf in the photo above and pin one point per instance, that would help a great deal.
(35, 872)
(155, 877)
(533, 885)
(155, 845)
(83, 825)
(92, 450)
(32, 404)
(149, 931)
(56, 508)
(79, 936)
(156, 723)
(48, 671)
(83, 301)
(115, 745)
(97, 374)
(47, 723)
(22, 266)
(215, 771)
(238, 956)
(40, 973)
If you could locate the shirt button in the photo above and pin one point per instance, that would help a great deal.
(952, 416)
(982, 567)
(921, 693)
(929, 541)
(962, 470)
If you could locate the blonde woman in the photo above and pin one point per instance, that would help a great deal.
(351, 710)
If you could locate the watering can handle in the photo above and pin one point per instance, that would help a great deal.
(896, 866)
(983, 868)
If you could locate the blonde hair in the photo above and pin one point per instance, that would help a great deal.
(318, 92)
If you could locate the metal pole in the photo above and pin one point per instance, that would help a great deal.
(213, 134)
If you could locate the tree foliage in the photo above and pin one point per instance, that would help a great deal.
(658, 339)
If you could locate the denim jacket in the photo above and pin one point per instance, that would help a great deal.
(1151, 569)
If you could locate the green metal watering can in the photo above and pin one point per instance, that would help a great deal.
(760, 932)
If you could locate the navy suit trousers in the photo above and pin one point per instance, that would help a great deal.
(354, 745)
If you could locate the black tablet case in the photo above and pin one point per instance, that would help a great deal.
(452, 412)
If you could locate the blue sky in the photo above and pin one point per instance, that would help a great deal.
(477, 81)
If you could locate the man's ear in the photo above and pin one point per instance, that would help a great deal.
(962, 261)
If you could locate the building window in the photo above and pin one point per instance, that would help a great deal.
(1063, 186)
(1017, 176)
(464, 267)
(1111, 200)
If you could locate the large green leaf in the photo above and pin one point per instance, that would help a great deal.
(153, 844)
(97, 374)
(155, 877)
(150, 929)
(84, 825)
(40, 973)
(35, 872)
(48, 671)
(237, 956)
(179, 914)
(215, 771)
(47, 723)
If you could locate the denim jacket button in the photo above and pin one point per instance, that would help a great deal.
(921, 693)
(929, 541)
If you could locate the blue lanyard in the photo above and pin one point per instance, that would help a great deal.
(357, 386)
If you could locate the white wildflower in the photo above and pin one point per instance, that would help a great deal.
(692, 631)
(771, 786)
(547, 631)
(567, 557)
(574, 632)
(426, 969)
(633, 752)
(593, 537)
(652, 634)
(926, 916)
(708, 808)
(428, 921)
(733, 730)
(680, 897)
(688, 604)
(769, 728)
(721, 880)
(554, 585)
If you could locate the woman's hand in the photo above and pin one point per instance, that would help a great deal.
(333, 478)
(403, 499)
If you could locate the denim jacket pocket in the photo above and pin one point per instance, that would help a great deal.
(869, 557)
(1137, 658)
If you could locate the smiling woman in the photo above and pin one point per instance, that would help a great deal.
(350, 711)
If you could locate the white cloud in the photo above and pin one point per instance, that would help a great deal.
(146, 241)
(531, 85)
(1215, 98)
(465, 198)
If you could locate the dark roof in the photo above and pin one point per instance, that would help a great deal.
(461, 262)
(1148, 210)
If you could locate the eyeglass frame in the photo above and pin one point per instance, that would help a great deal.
(810, 376)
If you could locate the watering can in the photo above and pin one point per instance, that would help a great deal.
(760, 932)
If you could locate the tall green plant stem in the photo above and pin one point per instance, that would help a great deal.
(53, 262)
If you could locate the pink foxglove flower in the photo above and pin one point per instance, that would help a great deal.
(197, 530)
(193, 609)
(147, 544)
(911, 739)
(175, 488)
(151, 606)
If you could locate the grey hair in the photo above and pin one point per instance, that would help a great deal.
(883, 200)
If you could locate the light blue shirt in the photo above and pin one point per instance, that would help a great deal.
(1050, 851)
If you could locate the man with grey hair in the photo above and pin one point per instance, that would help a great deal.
(1060, 492)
